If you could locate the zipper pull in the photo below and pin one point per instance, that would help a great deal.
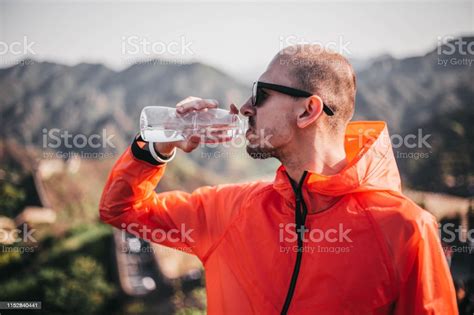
(298, 197)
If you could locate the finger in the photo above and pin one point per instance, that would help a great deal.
(233, 109)
(197, 104)
(206, 103)
(194, 138)
(192, 143)
(187, 100)
(180, 107)
(212, 102)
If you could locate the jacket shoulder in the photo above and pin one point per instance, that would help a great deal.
(402, 226)
(394, 208)
(400, 221)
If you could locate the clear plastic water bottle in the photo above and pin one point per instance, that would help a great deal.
(164, 124)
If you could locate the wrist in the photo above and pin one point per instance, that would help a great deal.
(159, 156)
(164, 148)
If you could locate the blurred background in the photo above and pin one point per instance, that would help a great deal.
(74, 77)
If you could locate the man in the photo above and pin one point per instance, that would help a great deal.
(332, 234)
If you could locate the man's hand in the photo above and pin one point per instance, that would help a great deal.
(192, 142)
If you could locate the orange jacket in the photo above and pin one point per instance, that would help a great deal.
(380, 253)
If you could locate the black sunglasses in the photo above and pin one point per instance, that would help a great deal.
(258, 86)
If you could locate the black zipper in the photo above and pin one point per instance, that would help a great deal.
(300, 219)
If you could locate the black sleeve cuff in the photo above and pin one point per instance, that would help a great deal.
(144, 155)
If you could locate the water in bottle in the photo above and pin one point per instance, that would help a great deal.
(164, 124)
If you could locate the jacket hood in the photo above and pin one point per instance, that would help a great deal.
(371, 164)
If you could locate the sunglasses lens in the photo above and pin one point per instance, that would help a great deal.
(254, 94)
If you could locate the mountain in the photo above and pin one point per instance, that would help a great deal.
(87, 98)
(428, 96)
(447, 166)
(432, 93)
(409, 92)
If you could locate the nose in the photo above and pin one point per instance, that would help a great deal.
(247, 109)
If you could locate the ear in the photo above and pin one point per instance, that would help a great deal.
(312, 110)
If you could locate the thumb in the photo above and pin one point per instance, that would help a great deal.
(233, 109)
(191, 143)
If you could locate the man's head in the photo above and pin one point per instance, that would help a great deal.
(280, 121)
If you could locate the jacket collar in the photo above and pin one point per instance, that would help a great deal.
(371, 165)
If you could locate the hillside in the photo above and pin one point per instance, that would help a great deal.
(429, 92)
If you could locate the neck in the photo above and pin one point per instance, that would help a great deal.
(323, 154)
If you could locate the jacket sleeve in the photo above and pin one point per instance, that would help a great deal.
(192, 222)
(426, 286)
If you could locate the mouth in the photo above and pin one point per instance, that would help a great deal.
(248, 133)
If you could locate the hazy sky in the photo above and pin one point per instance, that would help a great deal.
(238, 37)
